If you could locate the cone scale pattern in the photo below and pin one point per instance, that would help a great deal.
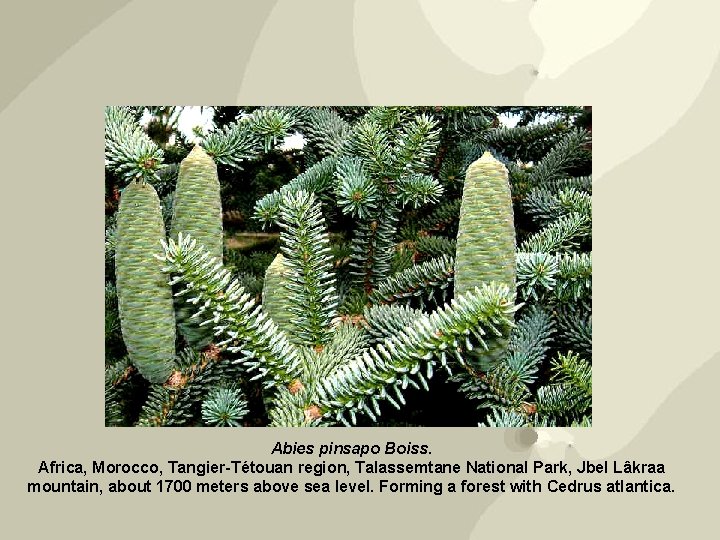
(275, 295)
(147, 317)
(197, 213)
(486, 239)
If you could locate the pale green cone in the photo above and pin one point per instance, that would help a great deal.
(486, 240)
(275, 295)
(197, 212)
(147, 317)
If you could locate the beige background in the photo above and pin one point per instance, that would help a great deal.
(649, 68)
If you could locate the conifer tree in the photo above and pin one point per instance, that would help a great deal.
(428, 267)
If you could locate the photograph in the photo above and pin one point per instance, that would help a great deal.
(313, 266)
(373, 218)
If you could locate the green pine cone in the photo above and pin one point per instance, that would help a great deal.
(197, 212)
(486, 240)
(275, 295)
(145, 304)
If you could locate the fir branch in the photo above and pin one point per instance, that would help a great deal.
(224, 407)
(570, 368)
(167, 204)
(567, 275)
(384, 248)
(248, 136)
(167, 180)
(541, 204)
(546, 206)
(451, 168)
(373, 247)
(506, 385)
(233, 144)
(370, 142)
(567, 153)
(519, 177)
(129, 152)
(389, 118)
(427, 280)
(404, 257)
(376, 161)
(197, 373)
(571, 200)
(325, 128)
(159, 403)
(442, 217)
(564, 234)
(113, 408)
(356, 193)
(461, 121)
(575, 325)
(300, 113)
(353, 301)
(253, 284)
(536, 274)
(418, 190)
(458, 159)
(525, 143)
(579, 183)
(434, 246)
(480, 314)
(292, 410)
(112, 318)
(574, 279)
(529, 343)
(584, 422)
(388, 320)
(348, 341)
(505, 418)
(233, 313)
(561, 403)
(178, 401)
(110, 244)
(312, 294)
(271, 125)
(416, 145)
(502, 386)
(118, 372)
(317, 179)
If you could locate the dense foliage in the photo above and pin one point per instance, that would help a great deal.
(405, 266)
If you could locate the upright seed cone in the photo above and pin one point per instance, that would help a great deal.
(147, 318)
(486, 241)
(197, 212)
(275, 295)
